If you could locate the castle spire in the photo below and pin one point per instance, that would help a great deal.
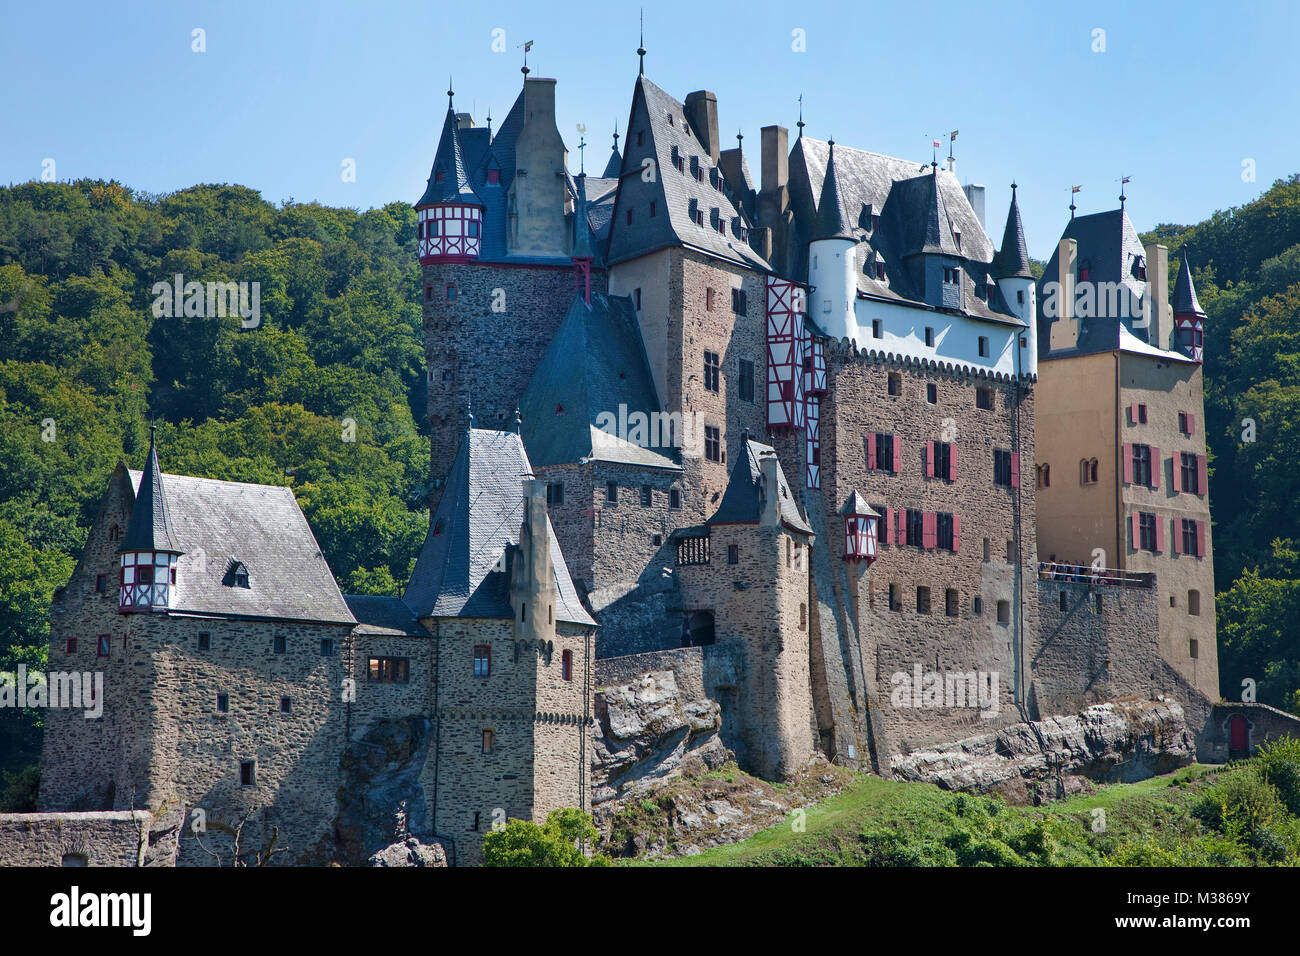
(1185, 301)
(615, 164)
(831, 221)
(640, 50)
(150, 527)
(1013, 256)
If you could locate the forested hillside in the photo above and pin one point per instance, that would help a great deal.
(1246, 263)
(85, 367)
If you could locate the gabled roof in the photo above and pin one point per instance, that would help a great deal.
(383, 616)
(673, 191)
(449, 163)
(1185, 301)
(149, 528)
(857, 505)
(1013, 258)
(595, 362)
(919, 207)
(216, 522)
(831, 221)
(742, 503)
(459, 572)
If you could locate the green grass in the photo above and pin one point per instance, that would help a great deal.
(1158, 821)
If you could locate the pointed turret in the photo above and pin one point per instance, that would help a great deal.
(449, 214)
(1013, 256)
(1189, 317)
(582, 253)
(149, 550)
(831, 221)
(615, 165)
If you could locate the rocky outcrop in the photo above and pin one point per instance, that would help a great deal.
(381, 799)
(1121, 741)
(410, 852)
(648, 732)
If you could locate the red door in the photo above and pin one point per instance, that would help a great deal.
(1237, 734)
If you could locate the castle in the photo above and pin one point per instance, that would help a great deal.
(791, 424)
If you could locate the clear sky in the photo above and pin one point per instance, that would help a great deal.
(1181, 96)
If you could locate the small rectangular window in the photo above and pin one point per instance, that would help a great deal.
(611, 492)
(451, 291)
(247, 773)
(100, 583)
(1004, 612)
(895, 383)
(932, 393)
(482, 660)
(733, 554)
(489, 744)
(223, 703)
(708, 299)
(951, 602)
(984, 398)
(327, 647)
(104, 646)
(745, 385)
(71, 646)
(280, 643)
(922, 599)
(566, 665)
(1002, 467)
(674, 498)
(636, 299)
(554, 493)
(647, 496)
(712, 372)
(390, 670)
(895, 598)
(205, 641)
(929, 336)
(286, 705)
(885, 453)
(877, 329)
(984, 346)
(712, 443)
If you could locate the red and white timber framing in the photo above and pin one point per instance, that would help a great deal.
(785, 399)
(449, 233)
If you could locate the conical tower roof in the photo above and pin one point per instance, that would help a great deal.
(149, 528)
(1013, 256)
(448, 181)
(831, 221)
(1185, 301)
(582, 247)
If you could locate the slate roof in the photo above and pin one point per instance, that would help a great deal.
(582, 243)
(1110, 248)
(215, 523)
(1131, 344)
(480, 513)
(1013, 256)
(383, 616)
(614, 166)
(921, 210)
(595, 362)
(831, 221)
(149, 528)
(857, 505)
(672, 190)
(449, 160)
(742, 501)
(1185, 301)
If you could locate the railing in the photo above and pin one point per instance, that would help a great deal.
(693, 550)
(1068, 573)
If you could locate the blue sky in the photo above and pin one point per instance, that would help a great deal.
(286, 91)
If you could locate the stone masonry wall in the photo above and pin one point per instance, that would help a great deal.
(52, 839)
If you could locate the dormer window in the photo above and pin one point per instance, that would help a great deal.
(439, 176)
(494, 177)
(956, 237)
(237, 575)
(1085, 270)
(1140, 267)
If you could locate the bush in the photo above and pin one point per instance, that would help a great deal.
(555, 843)
(1243, 806)
(1279, 764)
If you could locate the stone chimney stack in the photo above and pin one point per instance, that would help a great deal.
(776, 173)
(539, 192)
(532, 579)
(975, 196)
(1065, 330)
(702, 111)
(1158, 315)
(771, 507)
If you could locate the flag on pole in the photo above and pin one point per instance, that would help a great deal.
(1125, 180)
(528, 46)
(1075, 189)
(936, 144)
(952, 136)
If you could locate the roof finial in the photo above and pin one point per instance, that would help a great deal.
(739, 137)
(519, 421)
(800, 124)
(640, 50)
(154, 428)
(616, 134)
(1013, 189)
(582, 156)
(489, 124)
(450, 93)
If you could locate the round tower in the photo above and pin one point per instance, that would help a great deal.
(831, 269)
(1016, 282)
(1189, 317)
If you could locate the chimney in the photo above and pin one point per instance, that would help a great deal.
(975, 196)
(776, 160)
(1157, 309)
(702, 112)
(771, 507)
(539, 191)
(532, 579)
(464, 121)
(1065, 330)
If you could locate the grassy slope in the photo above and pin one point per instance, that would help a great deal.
(877, 821)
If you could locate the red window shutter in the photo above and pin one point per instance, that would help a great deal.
(1015, 469)
(1132, 413)
(871, 451)
(956, 533)
(1175, 535)
(1157, 466)
(1127, 451)
(1202, 485)
(929, 529)
(929, 459)
(1191, 424)
(1160, 534)
(1176, 473)
(952, 462)
(1200, 539)
(1135, 525)
(898, 453)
